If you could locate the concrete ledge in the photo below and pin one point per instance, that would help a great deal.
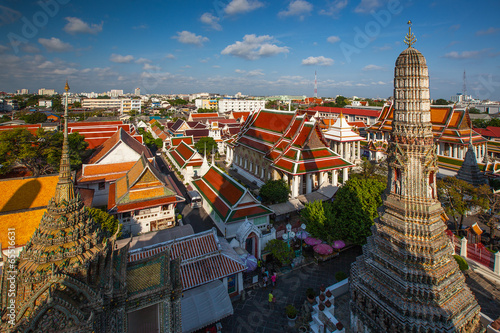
(339, 288)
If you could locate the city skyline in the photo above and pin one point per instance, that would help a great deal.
(254, 46)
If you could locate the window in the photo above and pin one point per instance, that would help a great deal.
(102, 186)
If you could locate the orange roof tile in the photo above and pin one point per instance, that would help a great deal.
(24, 223)
(18, 194)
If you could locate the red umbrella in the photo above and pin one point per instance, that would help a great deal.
(338, 244)
(312, 241)
(323, 249)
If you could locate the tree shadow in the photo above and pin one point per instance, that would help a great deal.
(24, 196)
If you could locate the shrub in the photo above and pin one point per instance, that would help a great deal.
(310, 293)
(291, 311)
(462, 264)
(339, 276)
(280, 251)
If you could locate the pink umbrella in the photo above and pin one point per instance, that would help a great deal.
(323, 249)
(312, 241)
(338, 244)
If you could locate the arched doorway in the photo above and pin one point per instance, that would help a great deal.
(251, 244)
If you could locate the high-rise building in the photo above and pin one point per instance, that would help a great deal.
(407, 279)
(138, 91)
(46, 92)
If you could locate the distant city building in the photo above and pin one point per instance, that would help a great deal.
(10, 105)
(46, 92)
(206, 104)
(228, 105)
(45, 103)
(491, 108)
(115, 93)
(137, 92)
(123, 105)
(22, 92)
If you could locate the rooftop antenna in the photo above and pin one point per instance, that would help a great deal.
(464, 88)
(315, 86)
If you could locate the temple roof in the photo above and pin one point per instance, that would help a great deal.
(91, 173)
(230, 200)
(141, 187)
(341, 131)
(175, 141)
(184, 155)
(121, 136)
(469, 171)
(204, 257)
(448, 124)
(292, 143)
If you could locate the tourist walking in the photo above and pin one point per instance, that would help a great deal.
(273, 279)
(271, 299)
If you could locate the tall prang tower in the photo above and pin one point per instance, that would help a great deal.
(407, 279)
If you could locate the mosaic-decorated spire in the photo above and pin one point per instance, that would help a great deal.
(407, 279)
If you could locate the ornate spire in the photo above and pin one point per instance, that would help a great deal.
(64, 189)
(410, 38)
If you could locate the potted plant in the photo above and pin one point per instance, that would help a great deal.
(339, 326)
(321, 306)
(310, 295)
(328, 304)
(328, 293)
(322, 288)
(322, 297)
(291, 313)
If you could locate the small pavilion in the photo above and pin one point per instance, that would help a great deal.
(344, 141)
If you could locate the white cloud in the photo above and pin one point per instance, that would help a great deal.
(333, 8)
(298, 8)
(240, 71)
(333, 39)
(3, 48)
(382, 48)
(242, 6)
(255, 72)
(455, 27)
(143, 61)
(367, 6)
(140, 27)
(215, 66)
(372, 67)
(76, 26)
(464, 54)
(211, 20)
(488, 31)
(320, 61)
(169, 56)
(66, 71)
(254, 47)
(187, 37)
(379, 83)
(121, 59)
(30, 48)
(54, 45)
(148, 67)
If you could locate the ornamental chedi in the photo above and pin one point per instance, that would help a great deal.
(71, 278)
(407, 279)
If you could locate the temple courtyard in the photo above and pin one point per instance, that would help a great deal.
(253, 314)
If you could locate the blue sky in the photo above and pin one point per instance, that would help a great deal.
(257, 47)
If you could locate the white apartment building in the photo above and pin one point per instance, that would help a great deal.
(46, 92)
(228, 105)
(115, 93)
(124, 105)
(206, 103)
(22, 92)
(137, 92)
(45, 103)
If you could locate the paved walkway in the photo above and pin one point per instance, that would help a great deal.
(254, 315)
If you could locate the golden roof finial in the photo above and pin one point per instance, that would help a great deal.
(66, 87)
(410, 38)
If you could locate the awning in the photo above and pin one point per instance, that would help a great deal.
(287, 207)
(205, 305)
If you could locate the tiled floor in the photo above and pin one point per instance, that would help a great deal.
(254, 314)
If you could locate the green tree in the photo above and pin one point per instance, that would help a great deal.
(77, 104)
(202, 110)
(274, 191)
(40, 153)
(320, 220)
(57, 105)
(148, 139)
(459, 197)
(341, 101)
(280, 251)
(108, 222)
(474, 110)
(440, 101)
(34, 118)
(206, 145)
(369, 193)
